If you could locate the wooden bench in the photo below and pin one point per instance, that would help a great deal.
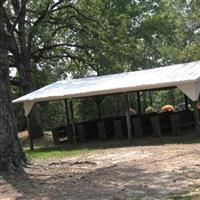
(59, 134)
(187, 120)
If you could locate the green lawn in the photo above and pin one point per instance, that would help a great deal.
(47, 154)
(45, 149)
(188, 196)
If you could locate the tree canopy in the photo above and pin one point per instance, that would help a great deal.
(50, 40)
(60, 39)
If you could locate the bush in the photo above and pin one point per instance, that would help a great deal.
(168, 108)
(150, 109)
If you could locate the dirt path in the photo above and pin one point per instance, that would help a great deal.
(118, 173)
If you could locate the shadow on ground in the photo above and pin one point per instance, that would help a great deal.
(189, 137)
(159, 172)
(113, 183)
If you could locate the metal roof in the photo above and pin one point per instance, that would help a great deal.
(184, 76)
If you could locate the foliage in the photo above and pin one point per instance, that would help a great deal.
(53, 114)
(150, 109)
(72, 39)
(164, 97)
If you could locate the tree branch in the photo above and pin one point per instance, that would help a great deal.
(2, 2)
(38, 53)
(81, 14)
(65, 55)
(21, 10)
(14, 82)
(46, 11)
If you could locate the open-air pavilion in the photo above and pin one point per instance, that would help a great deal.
(185, 76)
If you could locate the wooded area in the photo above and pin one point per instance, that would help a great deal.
(44, 41)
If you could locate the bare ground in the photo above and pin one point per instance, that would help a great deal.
(143, 172)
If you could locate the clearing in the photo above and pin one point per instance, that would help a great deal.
(150, 168)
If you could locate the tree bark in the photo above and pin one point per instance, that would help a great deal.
(25, 74)
(11, 153)
(27, 87)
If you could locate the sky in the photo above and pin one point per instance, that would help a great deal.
(13, 72)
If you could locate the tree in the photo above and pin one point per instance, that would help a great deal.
(20, 59)
(95, 37)
(39, 39)
(11, 154)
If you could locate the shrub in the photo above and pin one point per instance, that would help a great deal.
(150, 109)
(168, 108)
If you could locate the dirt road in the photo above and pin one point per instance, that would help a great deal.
(151, 172)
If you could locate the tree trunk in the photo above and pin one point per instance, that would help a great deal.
(26, 76)
(26, 85)
(11, 154)
(34, 116)
(144, 101)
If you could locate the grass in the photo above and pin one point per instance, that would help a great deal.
(187, 196)
(47, 154)
(45, 149)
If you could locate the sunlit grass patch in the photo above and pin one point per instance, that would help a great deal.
(187, 196)
(44, 148)
(51, 153)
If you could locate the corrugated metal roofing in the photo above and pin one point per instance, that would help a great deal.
(178, 75)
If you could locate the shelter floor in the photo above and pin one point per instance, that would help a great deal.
(159, 171)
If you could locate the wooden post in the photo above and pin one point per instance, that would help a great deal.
(67, 111)
(29, 133)
(175, 123)
(139, 102)
(118, 129)
(72, 120)
(150, 98)
(99, 111)
(81, 132)
(98, 100)
(144, 101)
(69, 129)
(186, 102)
(128, 120)
(196, 116)
(55, 137)
(101, 130)
(156, 126)
(137, 127)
